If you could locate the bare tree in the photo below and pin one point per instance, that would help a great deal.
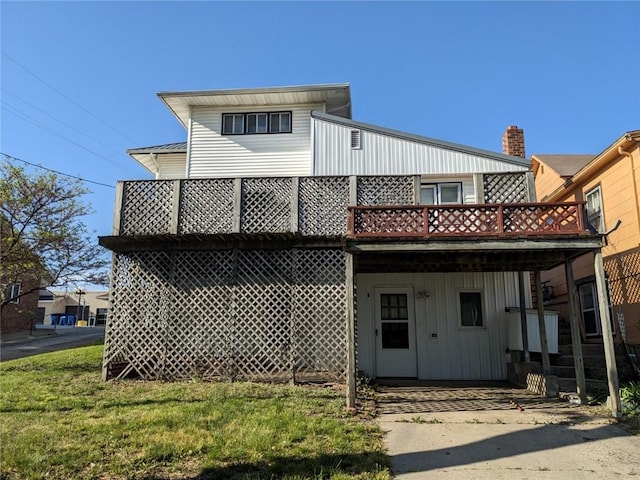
(42, 235)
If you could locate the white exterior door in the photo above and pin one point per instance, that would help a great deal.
(395, 332)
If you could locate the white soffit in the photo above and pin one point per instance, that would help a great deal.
(336, 97)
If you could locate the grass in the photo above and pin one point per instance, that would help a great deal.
(60, 421)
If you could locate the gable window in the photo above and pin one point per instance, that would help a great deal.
(12, 293)
(471, 309)
(441, 193)
(255, 123)
(595, 217)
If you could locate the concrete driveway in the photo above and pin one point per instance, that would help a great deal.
(494, 431)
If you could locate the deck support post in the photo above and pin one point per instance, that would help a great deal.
(350, 326)
(576, 340)
(607, 336)
(523, 317)
(542, 326)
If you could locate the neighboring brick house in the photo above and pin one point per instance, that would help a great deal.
(609, 183)
(20, 313)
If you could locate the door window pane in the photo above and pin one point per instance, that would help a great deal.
(395, 335)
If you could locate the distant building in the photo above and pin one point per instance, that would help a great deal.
(67, 307)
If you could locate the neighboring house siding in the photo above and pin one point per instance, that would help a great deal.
(262, 155)
(454, 353)
(382, 154)
(172, 165)
(547, 181)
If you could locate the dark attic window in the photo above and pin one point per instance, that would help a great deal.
(253, 123)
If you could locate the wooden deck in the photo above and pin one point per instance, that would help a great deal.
(506, 220)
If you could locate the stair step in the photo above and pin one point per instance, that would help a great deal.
(588, 349)
(592, 386)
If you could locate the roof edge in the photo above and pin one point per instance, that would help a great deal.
(523, 162)
(254, 90)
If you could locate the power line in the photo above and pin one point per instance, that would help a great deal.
(35, 107)
(67, 97)
(11, 157)
(14, 111)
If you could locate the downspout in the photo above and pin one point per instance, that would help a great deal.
(635, 181)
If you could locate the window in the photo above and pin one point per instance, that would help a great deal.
(232, 124)
(441, 194)
(101, 316)
(595, 217)
(394, 316)
(12, 293)
(471, 309)
(255, 123)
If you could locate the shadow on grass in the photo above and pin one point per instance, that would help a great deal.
(321, 467)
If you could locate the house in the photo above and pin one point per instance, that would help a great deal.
(609, 184)
(285, 240)
(19, 287)
(79, 307)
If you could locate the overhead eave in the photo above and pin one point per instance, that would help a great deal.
(147, 156)
(521, 162)
(336, 97)
(609, 154)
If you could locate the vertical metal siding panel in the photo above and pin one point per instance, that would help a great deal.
(215, 155)
(386, 155)
(366, 338)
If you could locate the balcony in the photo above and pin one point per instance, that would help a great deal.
(203, 213)
(523, 219)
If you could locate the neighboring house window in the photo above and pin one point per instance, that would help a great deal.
(590, 309)
(12, 293)
(471, 309)
(441, 194)
(256, 122)
(101, 316)
(595, 216)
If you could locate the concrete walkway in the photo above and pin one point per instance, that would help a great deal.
(478, 432)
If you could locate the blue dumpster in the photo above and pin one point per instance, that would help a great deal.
(55, 319)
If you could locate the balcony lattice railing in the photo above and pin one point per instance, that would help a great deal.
(466, 220)
(358, 206)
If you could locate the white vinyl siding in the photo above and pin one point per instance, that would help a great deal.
(445, 350)
(283, 154)
(382, 154)
(172, 165)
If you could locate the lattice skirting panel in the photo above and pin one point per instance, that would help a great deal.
(233, 314)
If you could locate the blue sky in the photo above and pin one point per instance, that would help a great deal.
(79, 79)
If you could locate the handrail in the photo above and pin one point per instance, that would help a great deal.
(466, 220)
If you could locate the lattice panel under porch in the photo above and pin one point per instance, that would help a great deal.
(146, 207)
(248, 314)
(322, 205)
(386, 190)
(623, 272)
(506, 188)
(206, 206)
(266, 205)
(319, 336)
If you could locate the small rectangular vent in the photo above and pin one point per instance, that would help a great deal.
(355, 140)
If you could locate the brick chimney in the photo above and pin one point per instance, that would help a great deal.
(513, 141)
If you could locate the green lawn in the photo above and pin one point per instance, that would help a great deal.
(59, 420)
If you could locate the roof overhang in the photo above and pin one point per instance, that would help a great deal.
(336, 97)
(612, 152)
(148, 156)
